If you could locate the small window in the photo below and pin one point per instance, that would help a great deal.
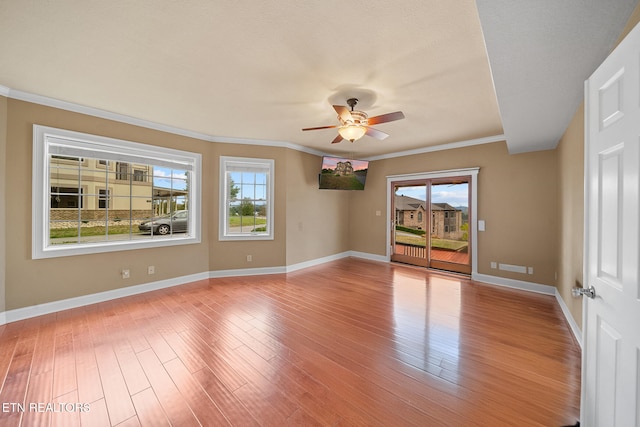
(138, 175)
(246, 198)
(93, 194)
(122, 171)
(66, 197)
(103, 199)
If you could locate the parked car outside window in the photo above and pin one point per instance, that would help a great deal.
(176, 223)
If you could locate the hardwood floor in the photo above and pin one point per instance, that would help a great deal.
(351, 342)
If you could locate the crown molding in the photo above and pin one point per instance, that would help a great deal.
(103, 114)
(441, 147)
(122, 118)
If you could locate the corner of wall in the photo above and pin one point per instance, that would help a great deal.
(570, 153)
(570, 164)
(3, 168)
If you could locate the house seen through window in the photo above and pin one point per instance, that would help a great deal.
(101, 192)
(83, 210)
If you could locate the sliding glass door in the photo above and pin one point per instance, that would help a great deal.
(430, 224)
(411, 223)
(449, 233)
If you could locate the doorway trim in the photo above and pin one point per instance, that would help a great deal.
(450, 173)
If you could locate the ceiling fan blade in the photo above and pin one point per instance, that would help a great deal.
(338, 138)
(321, 127)
(343, 112)
(384, 118)
(375, 133)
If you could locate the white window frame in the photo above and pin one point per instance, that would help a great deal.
(238, 163)
(45, 138)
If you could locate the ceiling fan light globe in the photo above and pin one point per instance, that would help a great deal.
(352, 132)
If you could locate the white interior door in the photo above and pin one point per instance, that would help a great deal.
(611, 354)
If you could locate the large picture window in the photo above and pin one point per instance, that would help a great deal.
(95, 194)
(246, 195)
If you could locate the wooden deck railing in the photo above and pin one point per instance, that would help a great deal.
(416, 251)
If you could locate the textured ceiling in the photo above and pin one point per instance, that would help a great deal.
(541, 52)
(261, 71)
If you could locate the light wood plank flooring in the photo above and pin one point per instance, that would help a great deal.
(351, 342)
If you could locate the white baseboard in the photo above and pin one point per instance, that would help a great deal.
(317, 261)
(575, 329)
(515, 284)
(295, 267)
(370, 257)
(277, 270)
(246, 272)
(66, 304)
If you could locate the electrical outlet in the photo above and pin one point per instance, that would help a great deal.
(494, 264)
(125, 274)
(530, 270)
(151, 269)
(249, 258)
(378, 213)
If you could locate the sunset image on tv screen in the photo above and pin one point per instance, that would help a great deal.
(343, 174)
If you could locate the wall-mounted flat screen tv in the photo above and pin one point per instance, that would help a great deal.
(343, 174)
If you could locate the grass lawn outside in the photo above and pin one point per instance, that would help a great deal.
(451, 245)
(56, 233)
(411, 240)
(247, 221)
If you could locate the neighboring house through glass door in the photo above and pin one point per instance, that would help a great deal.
(431, 222)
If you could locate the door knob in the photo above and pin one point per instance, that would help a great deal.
(588, 292)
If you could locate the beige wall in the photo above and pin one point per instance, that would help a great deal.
(516, 198)
(230, 255)
(317, 221)
(532, 204)
(30, 282)
(571, 212)
(3, 165)
(571, 201)
(308, 223)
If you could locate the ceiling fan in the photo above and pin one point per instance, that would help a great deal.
(355, 124)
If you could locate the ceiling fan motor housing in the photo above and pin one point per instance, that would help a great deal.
(357, 118)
